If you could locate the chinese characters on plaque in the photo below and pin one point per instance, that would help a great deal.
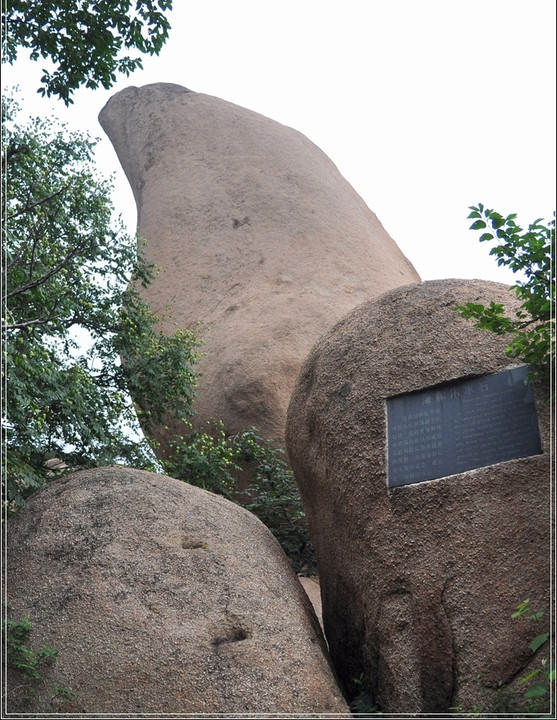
(459, 426)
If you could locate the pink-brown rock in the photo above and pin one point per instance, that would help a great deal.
(419, 582)
(259, 238)
(160, 598)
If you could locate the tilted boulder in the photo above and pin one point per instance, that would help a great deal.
(258, 235)
(424, 470)
(161, 598)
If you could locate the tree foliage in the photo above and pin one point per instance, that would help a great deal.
(68, 266)
(530, 253)
(87, 41)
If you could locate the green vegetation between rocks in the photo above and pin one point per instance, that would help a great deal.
(533, 695)
(249, 471)
(363, 705)
(539, 683)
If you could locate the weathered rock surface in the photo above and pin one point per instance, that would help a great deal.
(259, 237)
(418, 582)
(313, 591)
(160, 598)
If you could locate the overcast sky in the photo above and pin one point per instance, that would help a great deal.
(425, 107)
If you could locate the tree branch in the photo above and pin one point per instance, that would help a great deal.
(26, 324)
(49, 274)
(31, 206)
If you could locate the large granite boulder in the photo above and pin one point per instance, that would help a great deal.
(424, 549)
(159, 598)
(259, 238)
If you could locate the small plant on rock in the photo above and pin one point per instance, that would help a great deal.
(363, 705)
(538, 683)
(533, 696)
(26, 662)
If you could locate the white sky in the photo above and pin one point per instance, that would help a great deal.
(425, 107)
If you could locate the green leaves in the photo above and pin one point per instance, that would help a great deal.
(70, 313)
(538, 641)
(25, 661)
(540, 690)
(478, 225)
(15, 635)
(206, 459)
(531, 254)
(490, 318)
(85, 41)
(536, 691)
(522, 608)
(521, 697)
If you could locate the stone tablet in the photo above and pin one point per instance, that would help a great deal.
(459, 426)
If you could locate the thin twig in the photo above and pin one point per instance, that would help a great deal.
(28, 207)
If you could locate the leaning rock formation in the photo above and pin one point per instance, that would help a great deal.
(159, 598)
(419, 581)
(259, 237)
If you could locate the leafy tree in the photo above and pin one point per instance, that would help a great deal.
(532, 254)
(84, 39)
(67, 267)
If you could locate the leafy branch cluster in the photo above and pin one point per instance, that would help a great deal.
(15, 635)
(84, 40)
(530, 253)
(25, 661)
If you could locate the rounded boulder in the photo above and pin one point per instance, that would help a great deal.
(159, 597)
(430, 526)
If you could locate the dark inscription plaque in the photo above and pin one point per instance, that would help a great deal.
(459, 426)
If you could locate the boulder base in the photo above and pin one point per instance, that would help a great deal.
(160, 598)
